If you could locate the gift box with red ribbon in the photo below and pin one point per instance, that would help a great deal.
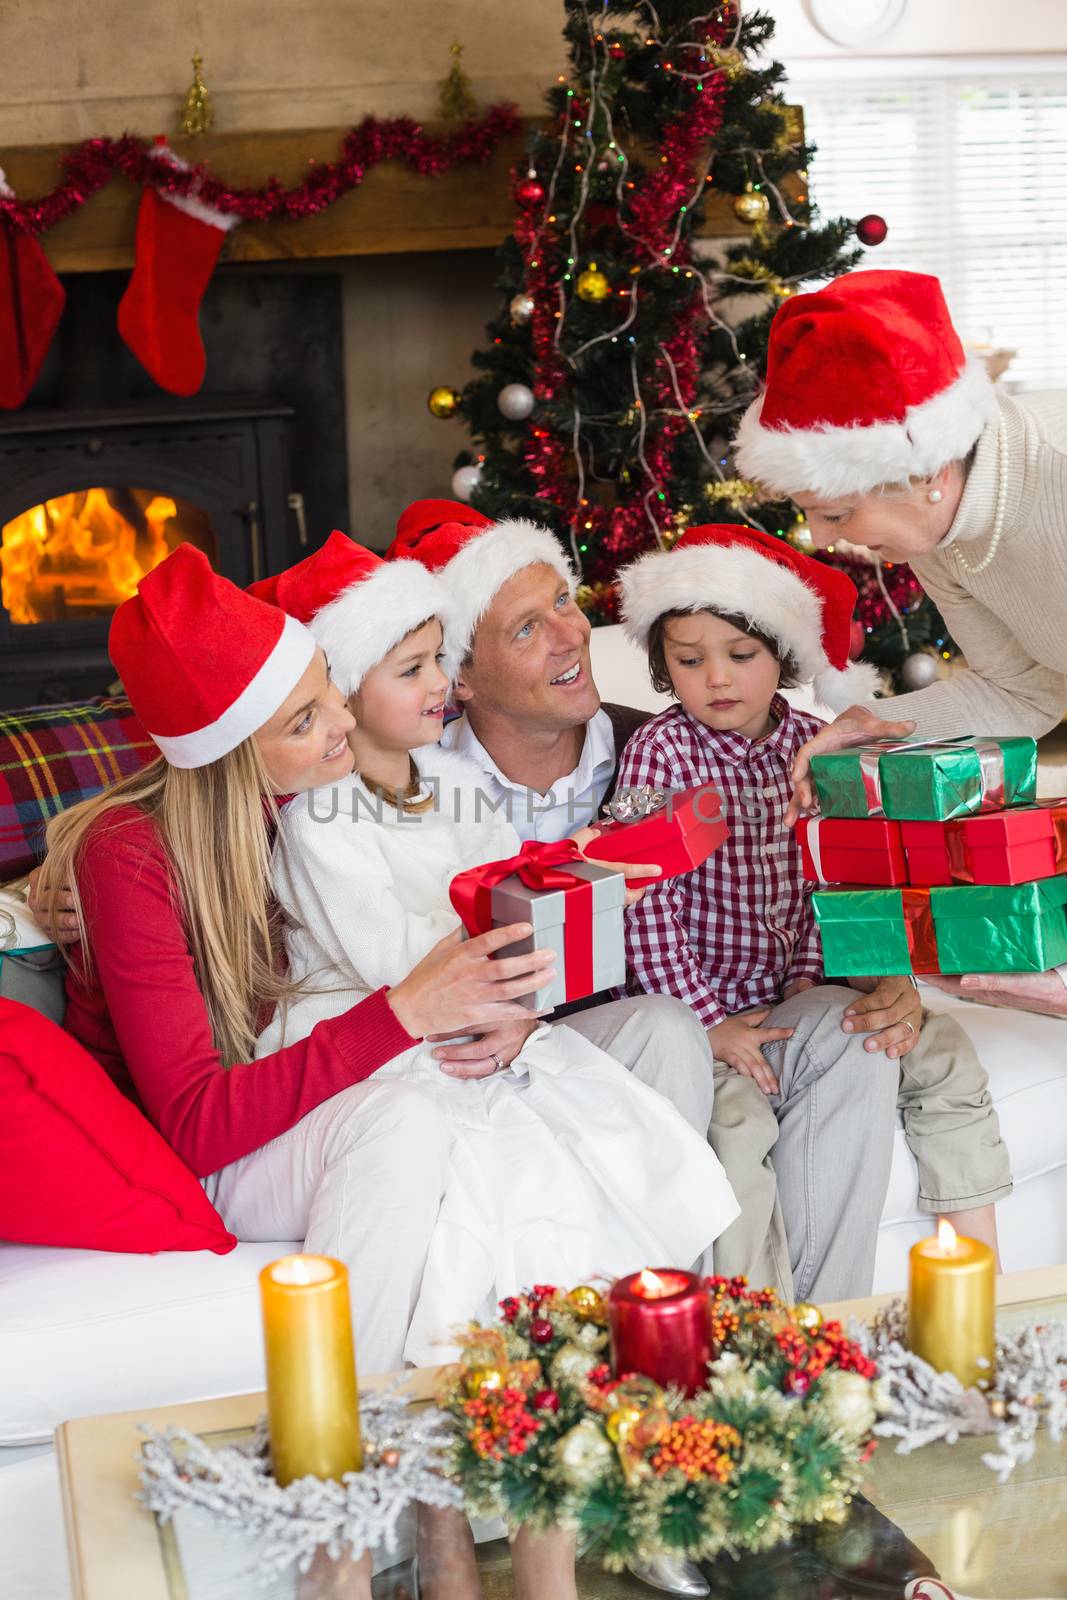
(964, 928)
(852, 850)
(574, 905)
(1001, 847)
(676, 830)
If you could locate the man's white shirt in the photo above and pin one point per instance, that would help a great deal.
(571, 802)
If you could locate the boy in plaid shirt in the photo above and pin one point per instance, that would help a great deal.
(728, 617)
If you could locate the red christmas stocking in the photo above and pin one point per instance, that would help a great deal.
(178, 244)
(31, 304)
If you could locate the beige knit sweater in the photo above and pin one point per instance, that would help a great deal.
(1010, 621)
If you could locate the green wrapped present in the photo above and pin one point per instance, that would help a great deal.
(966, 928)
(929, 780)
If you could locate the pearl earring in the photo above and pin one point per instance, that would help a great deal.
(934, 496)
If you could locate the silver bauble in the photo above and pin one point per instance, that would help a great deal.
(516, 401)
(918, 671)
(465, 480)
(521, 309)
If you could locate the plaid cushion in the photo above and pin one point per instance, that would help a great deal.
(53, 756)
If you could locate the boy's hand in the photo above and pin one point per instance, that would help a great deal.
(584, 836)
(891, 1012)
(739, 1043)
(797, 986)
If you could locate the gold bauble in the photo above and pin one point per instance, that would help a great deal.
(622, 1422)
(752, 206)
(482, 1380)
(730, 62)
(586, 1302)
(592, 285)
(443, 401)
(807, 1316)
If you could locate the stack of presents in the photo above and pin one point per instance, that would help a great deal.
(939, 859)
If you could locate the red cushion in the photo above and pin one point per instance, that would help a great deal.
(79, 1164)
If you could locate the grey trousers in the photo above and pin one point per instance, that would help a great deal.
(809, 1167)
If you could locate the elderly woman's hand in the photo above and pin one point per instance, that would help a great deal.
(857, 725)
(1044, 992)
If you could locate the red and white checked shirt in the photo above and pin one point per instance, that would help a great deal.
(733, 933)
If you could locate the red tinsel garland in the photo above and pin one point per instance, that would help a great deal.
(93, 164)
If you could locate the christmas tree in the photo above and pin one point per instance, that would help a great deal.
(629, 342)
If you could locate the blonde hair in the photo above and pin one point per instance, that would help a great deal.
(213, 822)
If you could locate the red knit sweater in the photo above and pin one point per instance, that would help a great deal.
(144, 1019)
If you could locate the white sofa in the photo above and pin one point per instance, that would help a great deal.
(82, 1332)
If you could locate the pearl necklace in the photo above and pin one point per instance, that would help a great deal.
(1000, 509)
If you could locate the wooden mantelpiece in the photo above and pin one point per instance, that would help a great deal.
(394, 209)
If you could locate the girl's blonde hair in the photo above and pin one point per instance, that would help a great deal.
(214, 824)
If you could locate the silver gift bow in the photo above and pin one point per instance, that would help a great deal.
(630, 804)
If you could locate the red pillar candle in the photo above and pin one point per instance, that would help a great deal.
(661, 1327)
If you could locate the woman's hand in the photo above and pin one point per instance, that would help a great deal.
(1044, 992)
(495, 1048)
(891, 1012)
(64, 930)
(584, 836)
(739, 1043)
(456, 988)
(857, 725)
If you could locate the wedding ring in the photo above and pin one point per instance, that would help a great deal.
(497, 1063)
(909, 1025)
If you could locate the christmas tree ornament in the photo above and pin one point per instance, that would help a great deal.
(731, 63)
(542, 1331)
(31, 304)
(521, 308)
(850, 1402)
(443, 401)
(570, 1364)
(465, 480)
(483, 1380)
(455, 97)
(919, 670)
(752, 206)
(530, 193)
(857, 639)
(177, 245)
(871, 229)
(584, 1454)
(807, 1316)
(587, 1303)
(515, 401)
(198, 115)
(592, 284)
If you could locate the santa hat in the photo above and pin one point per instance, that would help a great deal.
(805, 605)
(867, 384)
(474, 556)
(203, 663)
(356, 605)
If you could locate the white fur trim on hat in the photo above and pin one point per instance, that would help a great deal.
(733, 579)
(831, 460)
(255, 705)
(485, 563)
(360, 627)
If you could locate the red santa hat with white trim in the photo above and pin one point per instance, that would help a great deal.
(867, 384)
(474, 556)
(804, 604)
(356, 605)
(203, 663)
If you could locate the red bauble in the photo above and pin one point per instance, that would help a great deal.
(530, 193)
(617, 51)
(546, 1400)
(856, 640)
(541, 1330)
(871, 229)
(797, 1383)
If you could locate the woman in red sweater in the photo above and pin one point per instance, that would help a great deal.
(177, 960)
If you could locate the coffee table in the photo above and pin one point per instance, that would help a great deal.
(987, 1541)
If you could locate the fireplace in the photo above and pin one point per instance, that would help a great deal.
(90, 501)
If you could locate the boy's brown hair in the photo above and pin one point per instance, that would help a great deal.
(657, 659)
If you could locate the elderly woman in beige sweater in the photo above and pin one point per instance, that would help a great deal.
(878, 427)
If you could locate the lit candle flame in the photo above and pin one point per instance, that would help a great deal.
(946, 1237)
(652, 1284)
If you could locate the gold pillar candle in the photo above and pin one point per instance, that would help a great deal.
(952, 1305)
(312, 1401)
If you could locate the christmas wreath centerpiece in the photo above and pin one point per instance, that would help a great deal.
(547, 1434)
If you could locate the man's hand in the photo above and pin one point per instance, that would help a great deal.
(857, 725)
(584, 836)
(739, 1043)
(495, 1048)
(1044, 992)
(64, 930)
(891, 1012)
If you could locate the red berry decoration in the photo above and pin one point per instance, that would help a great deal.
(871, 229)
(530, 193)
(541, 1330)
(546, 1400)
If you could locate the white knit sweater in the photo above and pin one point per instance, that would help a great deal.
(1010, 621)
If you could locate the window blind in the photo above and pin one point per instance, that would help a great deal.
(970, 173)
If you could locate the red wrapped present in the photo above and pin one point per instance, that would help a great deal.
(1002, 847)
(852, 850)
(678, 830)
